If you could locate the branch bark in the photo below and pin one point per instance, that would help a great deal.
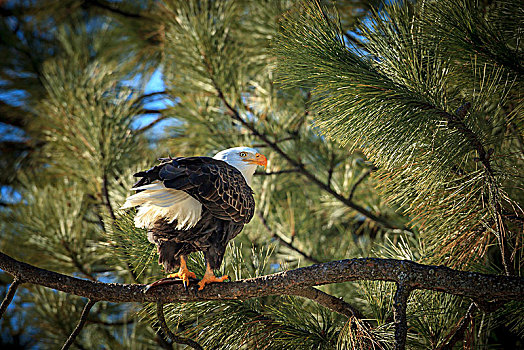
(400, 303)
(482, 288)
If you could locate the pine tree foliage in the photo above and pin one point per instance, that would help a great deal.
(402, 101)
(392, 130)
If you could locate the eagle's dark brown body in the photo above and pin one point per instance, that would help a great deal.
(210, 236)
(227, 205)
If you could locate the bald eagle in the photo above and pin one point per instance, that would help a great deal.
(190, 204)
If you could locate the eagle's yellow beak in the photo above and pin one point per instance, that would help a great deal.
(259, 159)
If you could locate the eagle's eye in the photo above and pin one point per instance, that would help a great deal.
(243, 154)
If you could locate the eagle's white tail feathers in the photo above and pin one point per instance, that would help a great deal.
(158, 202)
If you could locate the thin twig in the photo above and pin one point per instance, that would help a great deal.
(176, 338)
(108, 6)
(400, 303)
(151, 94)
(150, 111)
(351, 40)
(359, 180)
(152, 124)
(9, 296)
(113, 323)
(80, 325)
(284, 241)
(105, 192)
(459, 330)
(301, 168)
(333, 303)
(331, 168)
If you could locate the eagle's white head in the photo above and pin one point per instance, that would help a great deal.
(245, 159)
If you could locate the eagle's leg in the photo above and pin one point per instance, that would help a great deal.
(184, 274)
(209, 277)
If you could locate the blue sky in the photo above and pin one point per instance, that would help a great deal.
(155, 84)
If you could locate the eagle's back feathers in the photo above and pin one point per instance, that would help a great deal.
(190, 204)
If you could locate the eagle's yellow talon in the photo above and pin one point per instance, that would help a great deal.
(210, 279)
(184, 274)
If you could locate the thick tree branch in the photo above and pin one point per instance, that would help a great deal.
(329, 301)
(9, 296)
(175, 338)
(482, 288)
(80, 325)
(400, 303)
